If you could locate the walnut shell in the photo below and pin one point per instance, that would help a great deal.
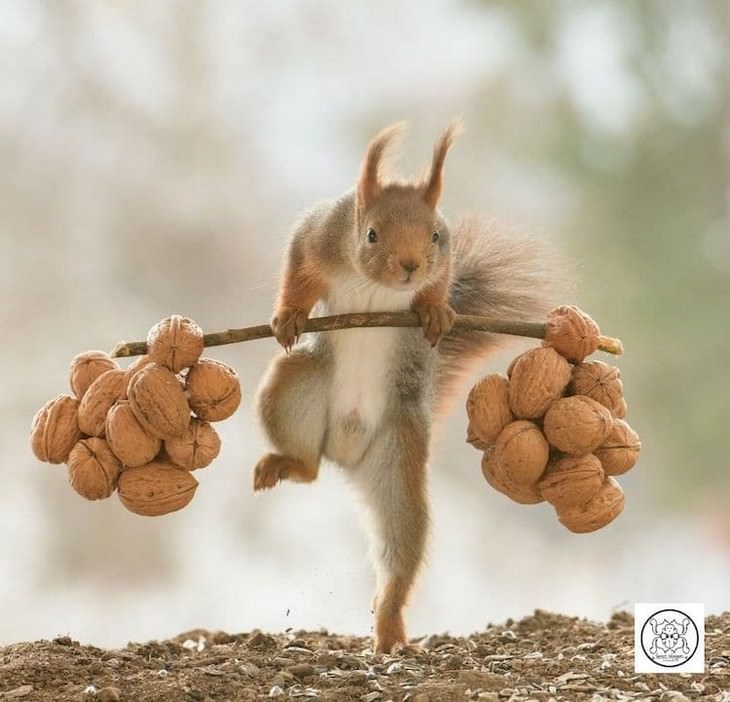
(539, 376)
(600, 382)
(196, 448)
(137, 365)
(87, 367)
(571, 481)
(107, 389)
(128, 439)
(156, 488)
(500, 480)
(158, 401)
(572, 333)
(55, 429)
(522, 452)
(598, 512)
(175, 342)
(93, 469)
(214, 390)
(621, 409)
(620, 451)
(577, 425)
(488, 410)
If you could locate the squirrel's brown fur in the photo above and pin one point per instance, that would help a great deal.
(365, 398)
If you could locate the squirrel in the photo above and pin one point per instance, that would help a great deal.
(366, 399)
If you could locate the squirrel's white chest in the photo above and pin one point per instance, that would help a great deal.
(364, 367)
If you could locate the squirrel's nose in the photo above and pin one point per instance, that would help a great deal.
(409, 266)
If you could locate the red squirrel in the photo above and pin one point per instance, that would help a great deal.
(365, 399)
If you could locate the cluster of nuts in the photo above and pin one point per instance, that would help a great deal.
(554, 428)
(143, 429)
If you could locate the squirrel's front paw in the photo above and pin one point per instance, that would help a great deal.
(436, 320)
(288, 325)
(269, 471)
(274, 467)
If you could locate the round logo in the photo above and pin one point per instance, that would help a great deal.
(669, 638)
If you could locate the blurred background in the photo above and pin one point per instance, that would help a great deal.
(153, 157)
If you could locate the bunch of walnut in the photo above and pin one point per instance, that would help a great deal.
(554, 429)
(142, 430)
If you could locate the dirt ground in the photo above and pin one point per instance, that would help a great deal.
(542, 657)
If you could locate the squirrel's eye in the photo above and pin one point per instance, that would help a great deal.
(372, 235)
(436, 236)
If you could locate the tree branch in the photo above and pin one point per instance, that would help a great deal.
(463, 323)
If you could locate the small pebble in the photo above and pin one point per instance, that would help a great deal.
(278, 681)
(428, 643)
(673, 696)
(301, 670)
(109, 694)
(253, 671)
(283, 661)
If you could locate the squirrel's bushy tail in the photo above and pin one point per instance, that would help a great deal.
(493, 275)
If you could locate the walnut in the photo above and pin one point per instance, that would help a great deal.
(598, 512)
(571, 480)
(522, 452)
(175, 342)
(500, 480)
(511, 367)
(577, 425)
(620, 451)
(158, 401)
(156, 488)
(213, 389)
(93, 469)
(196, 448)
(600, 382)
(128, 439)
(87, 367)
(539, 377)
(138, 364)
(572, 333)
(488, 410)
(55, 429)
(107, 389)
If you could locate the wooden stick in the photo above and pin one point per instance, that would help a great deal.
(463, 323)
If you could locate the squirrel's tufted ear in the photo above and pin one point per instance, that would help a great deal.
(432, 186)
(369, 186)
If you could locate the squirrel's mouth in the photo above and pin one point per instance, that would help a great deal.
(406, 283)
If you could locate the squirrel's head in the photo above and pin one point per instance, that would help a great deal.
(401, 240)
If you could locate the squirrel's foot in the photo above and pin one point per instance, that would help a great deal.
(390, 635)
(274, 467)
(436, 319)
(288, 325)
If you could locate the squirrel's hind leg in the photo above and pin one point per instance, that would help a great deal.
(292, 407)
(393, 480)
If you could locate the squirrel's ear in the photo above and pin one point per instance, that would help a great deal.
(369, 185)
(432, 186)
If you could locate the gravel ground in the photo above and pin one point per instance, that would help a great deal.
(542, 657)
